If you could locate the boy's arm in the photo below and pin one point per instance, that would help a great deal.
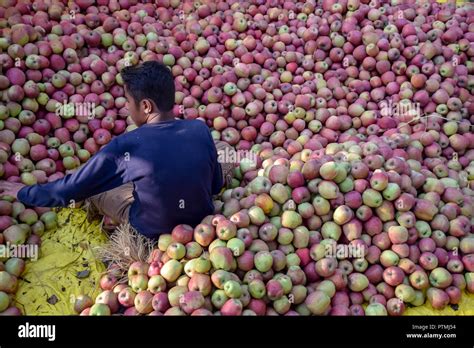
(103, 172)
(217, 178)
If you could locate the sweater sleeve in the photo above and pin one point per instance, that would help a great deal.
(217, 180)
(103, 172)
(217, 177)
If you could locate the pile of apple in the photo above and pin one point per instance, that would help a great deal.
(240, 66)
(20, 228)
(269, 248)
(337, 99)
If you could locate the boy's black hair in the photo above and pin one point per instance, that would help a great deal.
(150, 80)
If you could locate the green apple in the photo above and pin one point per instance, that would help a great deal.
(357, 282)
(20, 146)
(171, 270)
(168, 59)
(193, 250)
(298, 294)
(423, 228)
(405, 293)
(175, 295)
(331, 230)
(317, 251)
(376, 309)
(372, 198)
(138, 282)
(221, 258)
(232, 289)
(301, 237)
(328, 170)
(347, 185)
(327, 287)
(218, 298)
(257, 288)
(341, 175)
(342, 215)
(230, 88)
(237, 246)
(189, 267)
(263, 261)
(285, 236)
(391, 192)
(216, 243)
(219, 277)
(100, 309)
(292, 259)
(49, 219)
(440, 278)
(321, 205)
(282, 305)
(83, 155)
(260, 185)
(291, 219)
(4, 301)
(66, 150)
(279, 193)
(164, 240)
(285, 282)
(202, 265)
(28, 179)
(389, 258)
(419, 299)
(257, 216)
(176, 251)
(317, 302)
(328, 189)
(71, 162)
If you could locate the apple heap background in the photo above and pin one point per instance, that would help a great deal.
(359, 113)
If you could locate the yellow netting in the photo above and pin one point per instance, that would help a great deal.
(50, 284)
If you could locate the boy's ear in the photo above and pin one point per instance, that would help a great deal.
(147, 106)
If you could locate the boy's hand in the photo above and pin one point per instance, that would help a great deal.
(8, 188)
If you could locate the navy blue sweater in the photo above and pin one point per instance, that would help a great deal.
(172, 164)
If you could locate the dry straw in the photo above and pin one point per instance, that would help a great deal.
(124, 247)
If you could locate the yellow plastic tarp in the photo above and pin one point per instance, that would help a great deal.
(67, 267)
(465, 307)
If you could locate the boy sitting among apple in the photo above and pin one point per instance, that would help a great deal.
(161, 174)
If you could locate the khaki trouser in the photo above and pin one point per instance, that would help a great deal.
(116, 203)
